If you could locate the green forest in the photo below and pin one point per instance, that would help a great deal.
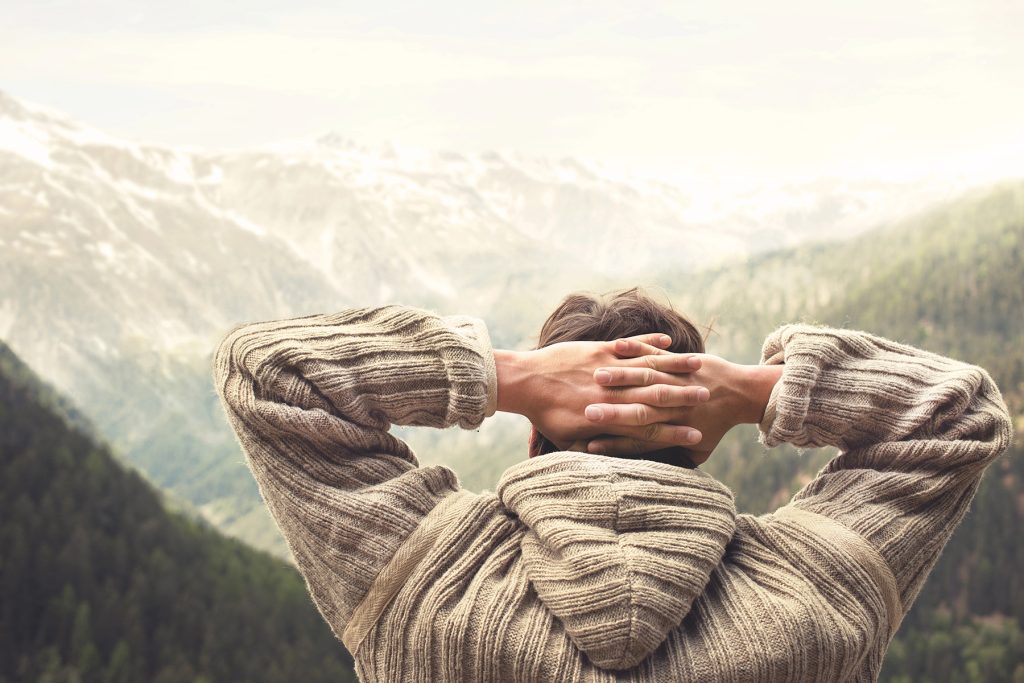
(99, 583)
(950, 280)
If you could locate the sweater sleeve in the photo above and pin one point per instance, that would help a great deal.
(311, 400)
(915, 432)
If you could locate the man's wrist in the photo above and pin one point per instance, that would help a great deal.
(756, 388)
(513, 374)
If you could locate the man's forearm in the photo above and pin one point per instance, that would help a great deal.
(756, 384)
(513, 374)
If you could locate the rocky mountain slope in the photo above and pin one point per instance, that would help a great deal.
(122, 263)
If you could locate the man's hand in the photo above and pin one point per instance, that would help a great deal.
(553, 386)
(739, 394)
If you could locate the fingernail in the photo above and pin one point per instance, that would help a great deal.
(622, 345)
(602, 377)
(664, 340)
(694, 362)
(593, 413)
(594, 447)
(703, 394)
(693, 436)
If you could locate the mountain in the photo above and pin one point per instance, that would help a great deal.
(123, 263)
(99, 583)
(947, 279)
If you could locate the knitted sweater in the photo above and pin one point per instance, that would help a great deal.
(589, 568)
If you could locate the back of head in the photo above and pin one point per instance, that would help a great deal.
(626, 313)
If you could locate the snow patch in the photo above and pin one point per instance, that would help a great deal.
(8, 316)
(106, 255)
(179, 168)
(432, 282)
(172, 335)
(193, 264)
(26, 142)
(43, 239)
(102, 348)
(326, 251)
(243, 222)
(131, 187)
(214, 177)
(106, 250)
(84, 136)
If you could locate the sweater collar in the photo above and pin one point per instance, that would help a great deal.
(618, 549)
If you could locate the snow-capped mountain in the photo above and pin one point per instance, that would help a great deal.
(122, 263)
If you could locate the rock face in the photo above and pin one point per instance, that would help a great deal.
(122, 263)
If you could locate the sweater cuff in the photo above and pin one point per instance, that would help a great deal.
(765, 426)
(490, 367)
(475, 332)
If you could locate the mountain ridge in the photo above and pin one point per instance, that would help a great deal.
(123, 263)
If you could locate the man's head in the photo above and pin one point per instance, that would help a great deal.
(627, 313)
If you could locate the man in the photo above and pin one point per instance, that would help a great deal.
(585, 567)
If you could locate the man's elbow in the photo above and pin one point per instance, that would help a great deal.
(996, 422)
(229, 363)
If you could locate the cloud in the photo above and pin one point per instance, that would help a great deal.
(766, 88)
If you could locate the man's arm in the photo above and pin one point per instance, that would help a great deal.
(311, 400)
(915, 430)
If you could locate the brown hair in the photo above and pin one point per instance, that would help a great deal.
(626, 313)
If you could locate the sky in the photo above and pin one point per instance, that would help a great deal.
(723, 91)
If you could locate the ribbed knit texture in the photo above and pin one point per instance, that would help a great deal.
(587, 568)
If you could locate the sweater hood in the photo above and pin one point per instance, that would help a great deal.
(617, 549)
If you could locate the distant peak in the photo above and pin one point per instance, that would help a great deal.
(11, 107)
(18, 109)
(335, 140)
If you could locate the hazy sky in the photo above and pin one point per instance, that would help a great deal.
(758, 89)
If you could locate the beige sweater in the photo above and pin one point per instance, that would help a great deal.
(588, 568)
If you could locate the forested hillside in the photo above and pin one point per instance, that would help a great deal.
(99, 583)
(951, 278)
(951, 281)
